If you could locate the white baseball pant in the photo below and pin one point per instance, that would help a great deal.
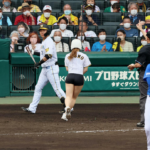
(49, 74)
(147, 121)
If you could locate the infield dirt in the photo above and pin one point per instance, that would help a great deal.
(92, 127)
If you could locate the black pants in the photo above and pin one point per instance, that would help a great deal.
(75, 79)
(143, 87)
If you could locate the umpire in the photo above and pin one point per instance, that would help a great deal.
(141, 63)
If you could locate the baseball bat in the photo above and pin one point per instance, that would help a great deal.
(29, 52)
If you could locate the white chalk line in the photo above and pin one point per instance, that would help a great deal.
(67, 132)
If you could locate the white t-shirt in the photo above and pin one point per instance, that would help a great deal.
(66, 33)
(37, 47)
(77, 64)
(90, 34)
(48, 47)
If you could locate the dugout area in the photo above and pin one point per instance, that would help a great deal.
(98, 123)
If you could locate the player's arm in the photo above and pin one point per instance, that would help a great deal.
(67, 68)
(85, 70)
(136, 65)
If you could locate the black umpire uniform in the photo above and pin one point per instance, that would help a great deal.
(143, 59)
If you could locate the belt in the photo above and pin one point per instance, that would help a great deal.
(56, 63)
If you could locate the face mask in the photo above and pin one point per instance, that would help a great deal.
(29, 2)
(63, 26)
(6, 4)
(144, 43)
(113, 2)
(33, 40)
(26, 12)
(133, 12)
(21, 30)
(14, 39)
(121, 37)
(79, 37)
(88, 12)
(67, 12)
(102, 37)
(57, 38)
(0, 15)
(127, 25)
(47, 15)
(92, 4)
(148, 25)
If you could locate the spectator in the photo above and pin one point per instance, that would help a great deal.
(34, 43)
(82, 38)
(110, 9)
(14, 36)
(23, 29)
(73, 20)
(60, 46)
(7, 6)
(102, 45)
(147, 25)
(133, 14)
(46, 17)
(26, 17)
(92, 3)
(142, 6)
(122, 45)
(91, 19)
(85, 27)
(143, 42)
(116, 7)
(34, 8)
(130, 32)
(62, 28)
(4, 20)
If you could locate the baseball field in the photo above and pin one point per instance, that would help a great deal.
(98, 123)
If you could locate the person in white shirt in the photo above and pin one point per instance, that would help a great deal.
(34, 43)
(60, 46)
(84, 28)
(50, 70)
(62, 28)
(76, 64)
(14, 36)
(82, 38)
(7, 6)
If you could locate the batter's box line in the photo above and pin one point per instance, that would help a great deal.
(67, 132)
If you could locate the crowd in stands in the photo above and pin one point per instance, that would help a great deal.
(101, 29)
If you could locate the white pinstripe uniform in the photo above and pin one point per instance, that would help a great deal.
(49, 73)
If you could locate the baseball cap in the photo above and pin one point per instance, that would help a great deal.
(47, 7)
(88, 6)
(43, 27)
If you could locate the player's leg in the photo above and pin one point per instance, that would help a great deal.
(143, 94)
(53, 77)
(38, 91)
(147, 121)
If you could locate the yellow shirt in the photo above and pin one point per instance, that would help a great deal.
(35, 8)
(74, 19)
(52, 19)
(114, 47)
(139, 48)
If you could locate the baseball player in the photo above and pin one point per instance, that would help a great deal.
(50, 70)
(76, 64)
(147, 107)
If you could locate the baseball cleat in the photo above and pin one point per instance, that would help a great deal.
(26, 110)
(140, 124)
(68, 113)
(64, 117)
(63, 111)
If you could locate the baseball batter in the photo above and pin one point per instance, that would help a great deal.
(147, 107)
(50, 70)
